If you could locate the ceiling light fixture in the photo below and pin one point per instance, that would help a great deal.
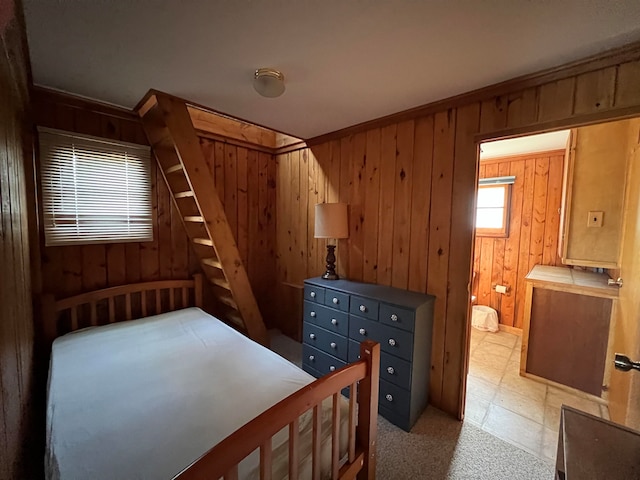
(268, 82)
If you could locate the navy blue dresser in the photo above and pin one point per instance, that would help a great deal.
(339, 314)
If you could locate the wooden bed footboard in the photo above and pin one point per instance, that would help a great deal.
(222, 460)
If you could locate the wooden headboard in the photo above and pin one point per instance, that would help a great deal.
(115, 304)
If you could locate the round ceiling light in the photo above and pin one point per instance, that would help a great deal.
(268, 82)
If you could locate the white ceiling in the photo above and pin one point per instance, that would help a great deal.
(345, 61)
(519, 146)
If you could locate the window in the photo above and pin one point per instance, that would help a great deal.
(492, 210)
(94, 190)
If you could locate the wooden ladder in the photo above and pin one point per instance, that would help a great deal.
(176, 146)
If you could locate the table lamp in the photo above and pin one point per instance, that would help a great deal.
(331, 222)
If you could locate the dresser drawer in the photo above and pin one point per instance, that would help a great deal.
(394, 398)
(397, 317)
(392, 340)
(324, 340)
(314, 294)
(336, 299)
(364, 307)
(392, 368)
(317, 360)
(327, 318)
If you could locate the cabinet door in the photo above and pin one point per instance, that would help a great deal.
(594, 187)
(568, 335)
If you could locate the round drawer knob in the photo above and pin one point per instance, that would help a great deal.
(334, 321)
(336, 301)
(389, 397)
(313, 314)
(312, 336)
(394, 317)
(362, 331)
(333, 345)
(313, 294)
(392, 342)
(390, 370)
(312, 358)
(363, 308)
(332, 368)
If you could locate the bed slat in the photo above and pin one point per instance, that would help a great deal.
(232, 474)
(143, 301)
(74, 318)
(352, 421)
(172, 300)
(112, 310)
(185, 296)
(127, 306)
(94, 314)
(158, 302)
(265, 460)
(335, 437)
(294, 436)
(315, 452)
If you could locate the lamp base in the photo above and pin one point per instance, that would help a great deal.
(331, 274)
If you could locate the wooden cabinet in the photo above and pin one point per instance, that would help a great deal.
(339, 314)
(594, 180)
(566, 327)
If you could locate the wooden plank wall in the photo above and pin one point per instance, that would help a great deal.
(410, 181)
(244, 179)
(533, 232)
(17, 412)
(245, 182)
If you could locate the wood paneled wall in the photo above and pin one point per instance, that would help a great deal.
(410, 181)
(244, 179)
(534, 219)
(18, 458)
(245, 182)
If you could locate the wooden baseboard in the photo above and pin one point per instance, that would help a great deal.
(509, 329)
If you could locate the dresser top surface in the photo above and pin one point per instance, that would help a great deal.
(382, 293)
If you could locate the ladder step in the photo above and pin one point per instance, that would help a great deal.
(228, 301)
(212, 262)
(186, 194)
(173, 169)
(203, 241)
(235, 319)
(195, 219)
(220, 282)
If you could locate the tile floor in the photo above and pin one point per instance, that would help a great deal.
(516, 409)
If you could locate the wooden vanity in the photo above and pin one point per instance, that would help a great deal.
(565, 337)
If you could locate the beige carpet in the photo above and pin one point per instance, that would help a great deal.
(439, 447)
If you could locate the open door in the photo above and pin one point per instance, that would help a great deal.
(624, 393)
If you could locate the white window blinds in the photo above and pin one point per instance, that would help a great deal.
(94, 190)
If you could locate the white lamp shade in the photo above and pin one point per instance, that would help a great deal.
(331, 220)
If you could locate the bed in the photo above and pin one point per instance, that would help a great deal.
(177, 393)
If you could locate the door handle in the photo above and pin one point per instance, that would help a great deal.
(624, 363)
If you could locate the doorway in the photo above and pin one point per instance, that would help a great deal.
(519, 225)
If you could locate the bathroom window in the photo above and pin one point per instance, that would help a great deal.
(492, 211)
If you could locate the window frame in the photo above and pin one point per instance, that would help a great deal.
(502, 232)
(47, 163)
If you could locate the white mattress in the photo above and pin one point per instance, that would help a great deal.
(144, 399)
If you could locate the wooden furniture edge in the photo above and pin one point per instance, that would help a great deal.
(576, 289)
(51, 307)
(222, 460)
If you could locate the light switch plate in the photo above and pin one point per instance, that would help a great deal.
(595, 219)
